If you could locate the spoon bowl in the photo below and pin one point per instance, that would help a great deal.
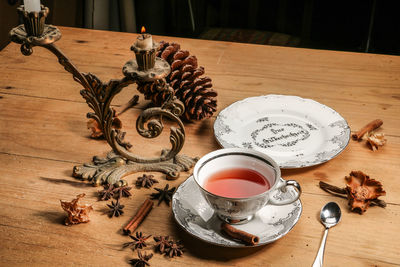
(330, 216)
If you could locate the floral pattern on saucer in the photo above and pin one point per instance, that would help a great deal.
(194, 214)
(294, 131)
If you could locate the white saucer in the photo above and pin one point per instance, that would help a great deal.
(294, 131)
(194, 214)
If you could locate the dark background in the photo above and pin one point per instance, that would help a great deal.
(349, 25)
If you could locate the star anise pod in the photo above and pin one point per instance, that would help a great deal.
(139, 241)
(115, 209)
(107, 192)
(162, 243)
(142, 261)
(122, 191)
(175, 249)
(146, 181)
(163, 194)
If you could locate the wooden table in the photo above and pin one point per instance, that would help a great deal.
(43, 135)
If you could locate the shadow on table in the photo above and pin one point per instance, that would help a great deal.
(76, 183)
(296, 171)
(56, 217)
(77, 127)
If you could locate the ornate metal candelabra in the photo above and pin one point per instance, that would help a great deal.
(99, 95)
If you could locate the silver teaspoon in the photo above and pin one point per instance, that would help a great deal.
(330, 216)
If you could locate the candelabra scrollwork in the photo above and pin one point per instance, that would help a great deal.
(99, 95)
(121, 162)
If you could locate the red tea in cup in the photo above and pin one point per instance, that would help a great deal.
(236, 183)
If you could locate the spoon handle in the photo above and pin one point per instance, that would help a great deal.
(320, 256)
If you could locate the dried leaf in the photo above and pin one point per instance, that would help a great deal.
(116, 123)
(94, 127)
(76, 213)
(97, 132)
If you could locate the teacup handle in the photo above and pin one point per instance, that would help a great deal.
(283, 186)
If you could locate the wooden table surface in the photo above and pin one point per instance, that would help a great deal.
(43, 135)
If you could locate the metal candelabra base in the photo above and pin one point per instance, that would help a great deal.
(99, 95)
(113, 168)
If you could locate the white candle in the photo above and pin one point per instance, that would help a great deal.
(32, 5)
(145, 40)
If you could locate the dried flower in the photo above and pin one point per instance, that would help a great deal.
(94, 127)
(162, 243)
(175, 249)
(143, 260)
(122, 191)
(76, 213)
(115, 209)
(107, 192)
(163, 194)
(375, 140)
(139, 241)
(146, 181)
(362, 190)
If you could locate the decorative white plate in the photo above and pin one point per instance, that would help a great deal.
(294, 131)
(194, 214)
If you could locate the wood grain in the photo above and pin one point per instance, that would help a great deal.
(43, 135)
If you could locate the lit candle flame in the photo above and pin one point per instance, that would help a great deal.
(144, 40)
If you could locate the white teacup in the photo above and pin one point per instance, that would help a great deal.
(242, 209)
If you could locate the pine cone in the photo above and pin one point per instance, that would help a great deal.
(155, 91)
(194, 91)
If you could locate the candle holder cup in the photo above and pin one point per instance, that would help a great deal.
(145, 58)
(99, 95)
(34, 22)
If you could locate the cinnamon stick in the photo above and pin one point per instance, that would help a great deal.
(375, 124)
(233, 232)
(140, 215)
(334, 190)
